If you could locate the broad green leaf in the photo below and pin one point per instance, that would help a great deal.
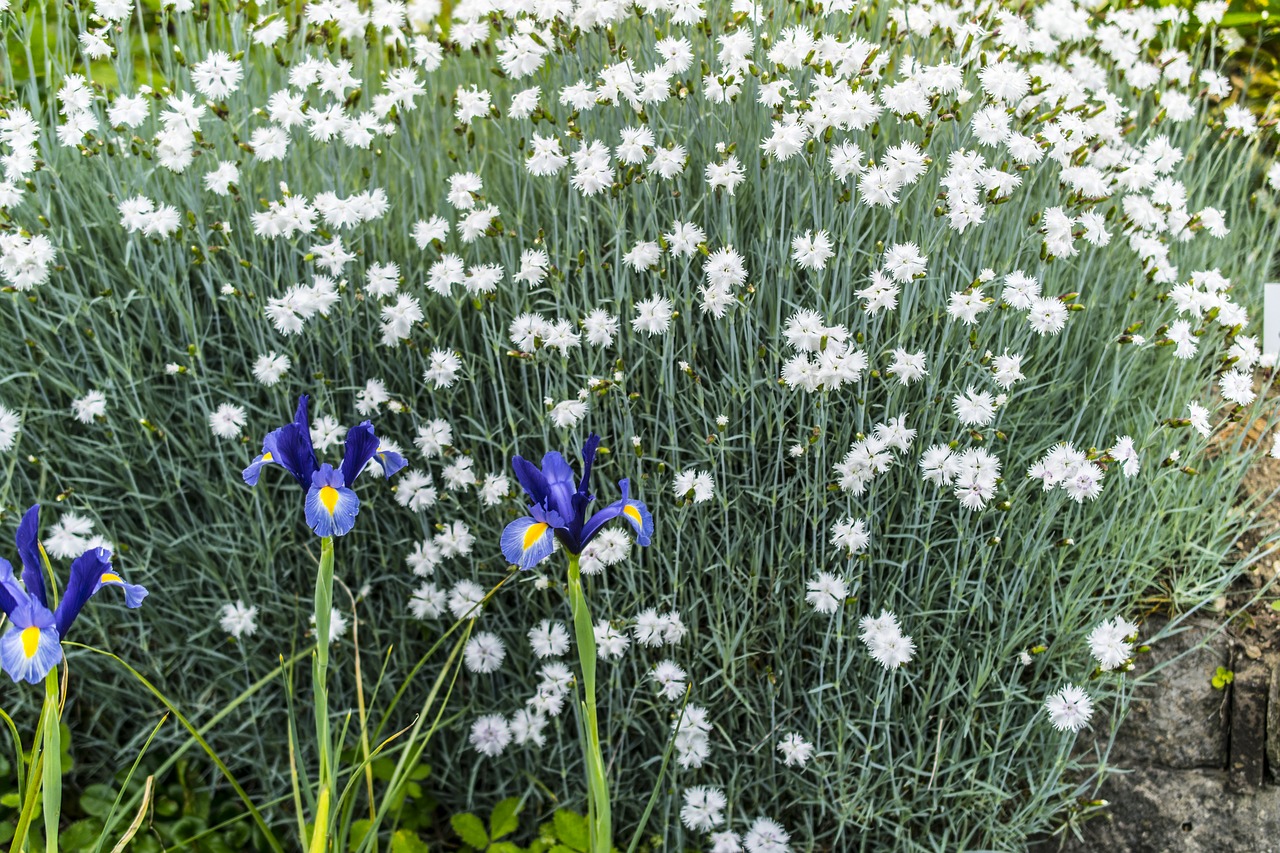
(97, 800)
(82, 834)
(405, 841)
(504, 819)
(470, 829)
(359, 829)
(504, 847)
(571, 829)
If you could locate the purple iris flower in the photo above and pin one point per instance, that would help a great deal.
(559, 509)
(32, 646)
(331, 505)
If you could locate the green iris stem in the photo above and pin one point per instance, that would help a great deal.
(52, 790)
(320, 670)
(597, 783)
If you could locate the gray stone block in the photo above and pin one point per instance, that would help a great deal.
(1177, 718)
(1155, 810)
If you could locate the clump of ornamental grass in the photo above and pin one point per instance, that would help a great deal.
(910, 323)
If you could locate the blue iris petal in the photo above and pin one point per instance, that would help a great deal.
(633, 511)
(86, 571)
(28, 543)
(11, 594)
(391, 462)
(331, 508)
(531, 479)
(561, 502)
(133, 593)
(293, 448)
(561, 486)
(30, 649)
(270, 455)
(361, 446)
(527, 542)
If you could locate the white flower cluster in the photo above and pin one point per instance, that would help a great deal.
(1073, 471)
(833, 363)
(972, 474)
(885, 641)
(1111, 645)
(872, 455)
(1051, 129)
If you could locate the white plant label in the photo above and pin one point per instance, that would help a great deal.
(1271, 319)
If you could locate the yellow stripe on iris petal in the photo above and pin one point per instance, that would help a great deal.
(266, 457)
(634, 514)
(110, 577)
(30, 641)
(534, 533)
(329, 497)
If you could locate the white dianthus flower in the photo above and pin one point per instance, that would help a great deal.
(1069, 709)
(796, 751)
(90, 406)
(653, 316)
(826, 593)
(9, 425)
(238, 620)
(490, 735)
(703, 808)
(484, 653)
(549, 639)
(227, 420)
(767, 836)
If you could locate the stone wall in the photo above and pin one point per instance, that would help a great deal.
(1202, 762)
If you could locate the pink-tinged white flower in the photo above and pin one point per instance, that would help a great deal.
(89, 407)
(699, 486)
(904, 262)
(1069, 709)
(642, 256)
(227, 420)
(216, 76)
(974, 408)
(611, 642)
(907, 367)
(490, 735)
(442, 368)
(268, 369)
(1047, 316)
(1237, 386)
(670, 680)
(238, 620)
(1007, 370)
(885, 641)
(1020, 290)
(1110, 644)
(484, 653)
(850, 534)
(9, 426)
(1126, 454)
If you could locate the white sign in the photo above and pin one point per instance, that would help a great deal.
(1271, 319)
